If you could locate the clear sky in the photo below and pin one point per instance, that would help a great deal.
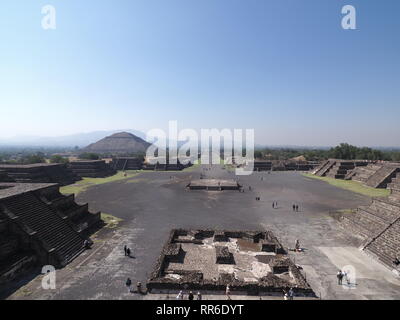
(283, 67)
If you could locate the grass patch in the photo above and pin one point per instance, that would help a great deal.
(351, 185)
(195, 165)
(86, 183)
(346, 211)
(110, 221)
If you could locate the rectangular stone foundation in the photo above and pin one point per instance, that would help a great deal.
(237, 260)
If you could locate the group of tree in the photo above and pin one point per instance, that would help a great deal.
(343, 151)
(89, 156)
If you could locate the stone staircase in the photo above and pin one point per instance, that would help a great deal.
(340, 169)
(382, 177)
(57, 235)
(362, 174)
(386, 246)
(379, 225)
(324, 168)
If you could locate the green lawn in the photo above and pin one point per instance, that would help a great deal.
(351, 185)
(110, 221)
(88, 182)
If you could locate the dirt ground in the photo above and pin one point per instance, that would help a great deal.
(153, 203)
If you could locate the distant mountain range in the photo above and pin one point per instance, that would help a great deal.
(85, 139)
(79, 139)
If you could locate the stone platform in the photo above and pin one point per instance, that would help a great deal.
(213, 185)
(249, 262)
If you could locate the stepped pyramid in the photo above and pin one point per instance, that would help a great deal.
(119, 143)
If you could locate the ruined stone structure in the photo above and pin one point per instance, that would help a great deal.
(376, 175)
(250, 262)
(4, 177)
(38, 173)
(91, 168)
(283, 165)
(213, 185)
(379, 225)
(165, 165)
(338, 169)
(262, 165)
(40, 225)
(127, 163)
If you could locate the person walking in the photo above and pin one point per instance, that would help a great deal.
(191, 296)
(179, 296)
(129, 284)
(199, 297)
(294, 207)
(297, 208)
(128, 252)
(125, 249)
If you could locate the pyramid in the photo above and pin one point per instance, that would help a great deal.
(122, 142)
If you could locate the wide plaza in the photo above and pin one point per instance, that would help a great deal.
(150, 204)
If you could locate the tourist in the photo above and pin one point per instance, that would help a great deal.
(228, 292)
(273, 205)
(125, 250)
(339, 277)
(346, 275)
(297, 208)
(128, 284)
(86, 244)
(190, 296)
(297, 245)
(199, 297)
(128, 252)
(294, 207)
(139, 287)
(396, 261)
(179, 296)
(291, 294)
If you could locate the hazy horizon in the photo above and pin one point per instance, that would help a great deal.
(284, 68)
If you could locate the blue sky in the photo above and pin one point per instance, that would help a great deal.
(285, 68)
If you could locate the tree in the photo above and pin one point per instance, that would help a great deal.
(89, 156)
(58, 159)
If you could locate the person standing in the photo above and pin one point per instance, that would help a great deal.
(125, 249)
(128, 252)
(339, 276)
(297, 245)
(199, 297)
(228, 292)
(291, 294)
(190, 296)
(129, 284)
(179, 296)
(294, 207)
